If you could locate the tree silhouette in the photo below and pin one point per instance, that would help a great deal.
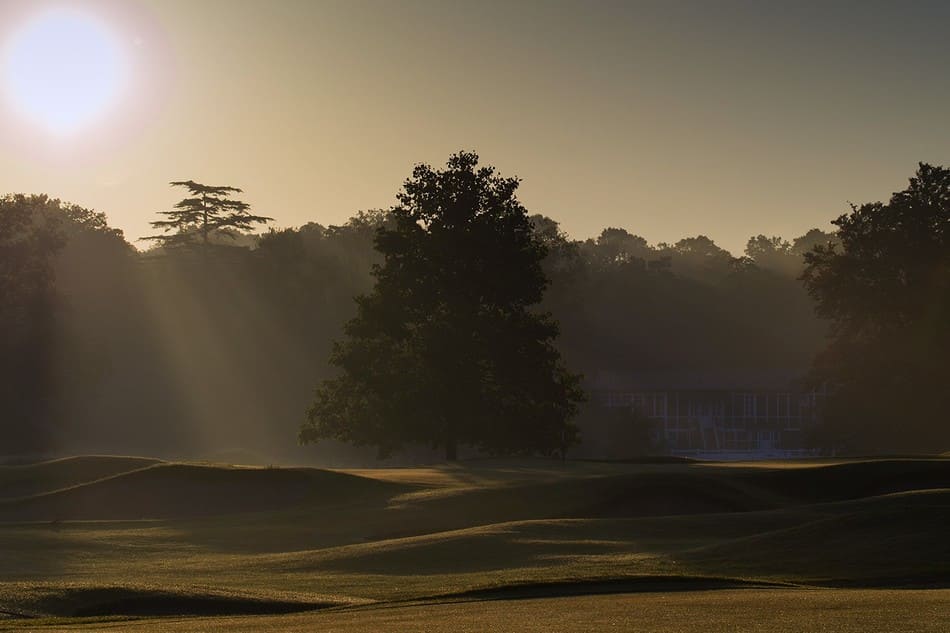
(208, 211)
(448, 349)
(282, 305)
(31, 234)
(885, 286)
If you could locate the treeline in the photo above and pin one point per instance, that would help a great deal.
(219, 348)
(627, 306)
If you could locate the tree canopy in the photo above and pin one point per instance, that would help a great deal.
(29, 236)
(885, 287)
(132, 353)
(449, 347)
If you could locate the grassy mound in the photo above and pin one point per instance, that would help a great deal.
(849, 480)
(30, 479)
(896, 540)
(667, 494)
(651, 490)
(891, 540)
(167, 490)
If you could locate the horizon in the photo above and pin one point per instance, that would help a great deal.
(777, 116)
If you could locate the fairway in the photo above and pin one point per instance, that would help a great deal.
(774, 611)
(487, 545)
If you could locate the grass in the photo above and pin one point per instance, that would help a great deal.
(30, 479)
(771, 611)
(112, 537)
(177, 491)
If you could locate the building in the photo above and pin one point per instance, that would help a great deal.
(723, 414)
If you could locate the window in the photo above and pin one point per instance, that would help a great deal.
(747, 405)
(659, 405)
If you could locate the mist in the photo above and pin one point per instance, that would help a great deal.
(214, 354)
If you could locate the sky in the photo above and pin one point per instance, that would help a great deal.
(669, 119)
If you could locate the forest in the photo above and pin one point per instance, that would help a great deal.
(455, 317)
(215, 351)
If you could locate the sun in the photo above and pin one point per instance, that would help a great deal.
(63, 70)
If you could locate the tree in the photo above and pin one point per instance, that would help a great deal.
(811, 239)
(208, 211)
(448, 348)
(885, 286)
(698, 258)
(774, 254)
(615, 248)
(30, 236)
(618, 432)
(780, 256)
(562, 261)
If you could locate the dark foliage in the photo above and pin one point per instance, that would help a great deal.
(208, 212)
(31, 234)
(217, 349)
(885, 287)
(448, 349)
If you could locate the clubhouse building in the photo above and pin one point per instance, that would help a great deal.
(721, 415)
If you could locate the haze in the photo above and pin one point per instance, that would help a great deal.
(529, 316)
(722, 118)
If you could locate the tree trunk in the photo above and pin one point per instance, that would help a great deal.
(204, 223)
(451, 450)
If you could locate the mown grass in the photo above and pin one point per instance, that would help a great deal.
(772, 611)
(248, 540)
(30, 479)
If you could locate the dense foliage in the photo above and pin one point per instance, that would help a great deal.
(449, 349)
(106, 348)
(886, 290)
(217, 350)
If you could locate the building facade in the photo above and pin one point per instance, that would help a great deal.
(723, 414)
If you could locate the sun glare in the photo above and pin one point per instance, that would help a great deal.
(63, 70)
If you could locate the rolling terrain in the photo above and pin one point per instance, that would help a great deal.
(171, 545)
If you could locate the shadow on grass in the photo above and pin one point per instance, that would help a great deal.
(639, 584)
(149, 602)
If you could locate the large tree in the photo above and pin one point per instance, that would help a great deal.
(885, 286)
(449, 348)
(208, 211)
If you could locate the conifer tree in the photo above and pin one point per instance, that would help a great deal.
(206, 212)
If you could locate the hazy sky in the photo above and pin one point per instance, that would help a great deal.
(668, 118)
